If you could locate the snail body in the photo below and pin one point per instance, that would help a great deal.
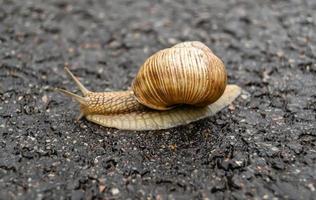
(174, 86)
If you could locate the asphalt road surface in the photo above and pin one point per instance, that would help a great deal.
(263, 146)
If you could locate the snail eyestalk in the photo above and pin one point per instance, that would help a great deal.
(78, 98)
(81, 87)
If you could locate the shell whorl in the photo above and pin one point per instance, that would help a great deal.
(187, 73)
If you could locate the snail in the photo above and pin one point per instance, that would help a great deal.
(174, 86)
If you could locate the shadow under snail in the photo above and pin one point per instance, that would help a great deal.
(175, 86)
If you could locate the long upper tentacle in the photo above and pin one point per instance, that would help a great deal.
(82, 88)
(78, 98)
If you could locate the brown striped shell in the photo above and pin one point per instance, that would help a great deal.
(187, 73)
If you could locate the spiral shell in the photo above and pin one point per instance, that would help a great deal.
(187, 73)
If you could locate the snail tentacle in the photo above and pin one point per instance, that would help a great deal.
(78, 98)
(82, 88)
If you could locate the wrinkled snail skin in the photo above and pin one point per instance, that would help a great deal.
(154, 119)
(111, 103)
(191, 83)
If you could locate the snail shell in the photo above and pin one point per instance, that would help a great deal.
(175, 86)
(188, 73)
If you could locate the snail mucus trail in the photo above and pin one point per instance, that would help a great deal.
(175, 86)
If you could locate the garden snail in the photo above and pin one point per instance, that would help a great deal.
(174, 86)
